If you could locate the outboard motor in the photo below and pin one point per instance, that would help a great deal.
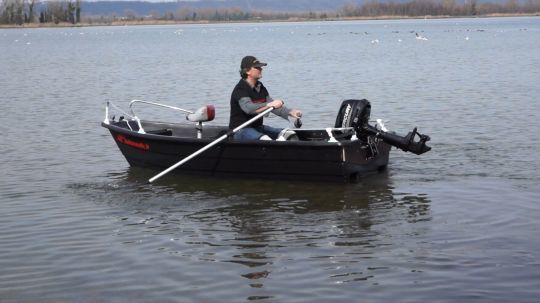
(355, 114)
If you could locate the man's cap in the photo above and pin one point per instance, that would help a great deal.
(250, 61)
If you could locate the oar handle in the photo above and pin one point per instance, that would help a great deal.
(218, 140)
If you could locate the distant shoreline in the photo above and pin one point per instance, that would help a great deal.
(173, 22)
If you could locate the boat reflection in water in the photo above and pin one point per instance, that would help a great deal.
(322, 232)
(372, 191)
(266, 225)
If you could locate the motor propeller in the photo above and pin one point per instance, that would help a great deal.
(406, 143)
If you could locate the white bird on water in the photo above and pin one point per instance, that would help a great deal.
(421, 37)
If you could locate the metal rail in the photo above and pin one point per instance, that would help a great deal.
(156, 104)
(133, 116)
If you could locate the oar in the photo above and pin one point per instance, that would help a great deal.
(195, 154)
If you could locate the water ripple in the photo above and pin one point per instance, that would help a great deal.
(456, 224)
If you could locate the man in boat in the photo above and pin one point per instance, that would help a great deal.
(249, 98)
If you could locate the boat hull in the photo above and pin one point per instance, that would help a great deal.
(343, 161)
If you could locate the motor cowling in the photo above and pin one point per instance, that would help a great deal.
(354, 113)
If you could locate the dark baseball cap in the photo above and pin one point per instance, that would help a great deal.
(250, 61)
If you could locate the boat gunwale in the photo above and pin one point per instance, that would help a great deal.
(157, 137)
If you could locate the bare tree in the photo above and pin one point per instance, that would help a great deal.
(130, 14)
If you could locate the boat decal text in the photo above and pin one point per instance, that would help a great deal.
(140, 145)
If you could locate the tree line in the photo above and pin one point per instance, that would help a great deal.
(416, 8)
(24, 11)
(69, 11)
(370, 9)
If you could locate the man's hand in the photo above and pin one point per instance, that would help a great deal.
(276, 103)
(295, 113)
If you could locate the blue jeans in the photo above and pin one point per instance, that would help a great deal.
(254, 133)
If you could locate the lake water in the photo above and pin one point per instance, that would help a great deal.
(458, 224)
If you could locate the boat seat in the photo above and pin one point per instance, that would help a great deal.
(203, 114)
